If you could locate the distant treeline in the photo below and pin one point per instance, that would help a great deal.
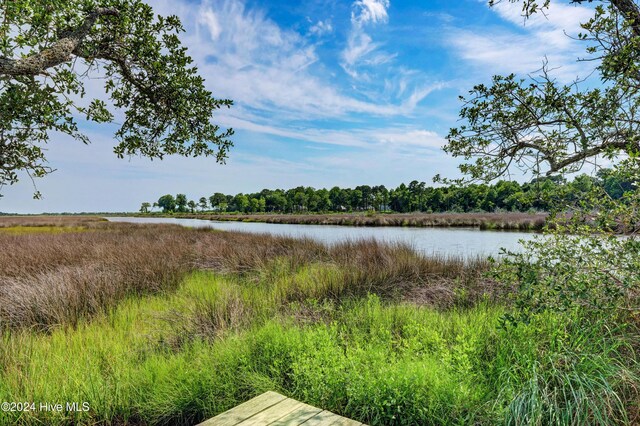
(541, 194)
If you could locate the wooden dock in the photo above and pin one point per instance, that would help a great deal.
(274, 409)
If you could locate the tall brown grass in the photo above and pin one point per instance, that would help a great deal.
(284, 275)
(393, 270)
(47, 279)
(70, 221)
(398, 271)
(53, 279)
(238, 252)
(497, 221)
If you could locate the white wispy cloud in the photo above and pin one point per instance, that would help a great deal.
(267, 71)
(247, 57)
(365, 11)
(210, 20)
(359, 44)
(397, 137)
(411, 137)
(321, 28)
(360, 49)
(529, 43)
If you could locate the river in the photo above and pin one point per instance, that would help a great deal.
(466, 242)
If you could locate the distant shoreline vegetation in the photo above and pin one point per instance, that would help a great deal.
(507, 221)
(503, 205)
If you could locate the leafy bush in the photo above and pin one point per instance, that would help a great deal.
(597, 274)
(583, 263)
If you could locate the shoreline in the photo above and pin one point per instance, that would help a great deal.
(511, 221)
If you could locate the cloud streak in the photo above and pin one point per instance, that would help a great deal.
(321, 28)
(523, 47)
(366, 11)
(364, 138)
(267, 68)
(360, 46)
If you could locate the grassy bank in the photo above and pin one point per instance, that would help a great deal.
(492, 221)
(166, 325)
(56, 278)
(32, 221)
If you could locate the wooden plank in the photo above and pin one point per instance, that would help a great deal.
(343, 421)
(273, 413)
(274, 409)
(327, 418)
(245, 410)
(297, 416)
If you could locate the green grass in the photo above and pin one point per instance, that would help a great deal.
(182, 356)
(26, 230)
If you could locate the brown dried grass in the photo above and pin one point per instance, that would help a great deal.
(53, 279)
(49, 220)
(348, 269)
(498, 221)
(47, 280)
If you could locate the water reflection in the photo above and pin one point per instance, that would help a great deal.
(467, 242)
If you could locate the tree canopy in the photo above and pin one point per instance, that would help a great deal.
(543, 194)
(50, 48)
(541, 125)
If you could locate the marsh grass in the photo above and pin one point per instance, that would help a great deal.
(165, 325)
(50, 221)
(378, 362)
(514, 221)
(259, 287)
(52, 279)
(578, 372)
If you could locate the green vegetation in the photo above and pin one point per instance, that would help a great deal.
(582, 273)
(163, 325)
(373, 332)
(541, 126)
(367, 359)
(541, 194)
(147, 75)
(50, 280)
(17, 230)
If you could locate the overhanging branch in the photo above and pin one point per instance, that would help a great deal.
(631, 14)
(59, 53)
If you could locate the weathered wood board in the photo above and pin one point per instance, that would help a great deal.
(274, 409)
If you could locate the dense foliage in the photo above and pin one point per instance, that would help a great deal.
(542, 194)
(581, 269)
(542, 126)
(583, 265)
(103, 313)
(49, 50)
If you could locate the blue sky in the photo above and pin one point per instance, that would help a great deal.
(326, 93)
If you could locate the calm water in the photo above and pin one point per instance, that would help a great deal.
(468, 242)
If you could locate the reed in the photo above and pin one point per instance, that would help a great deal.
(52, 279)
(514, 221)
(158, 324)
(55, 279)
